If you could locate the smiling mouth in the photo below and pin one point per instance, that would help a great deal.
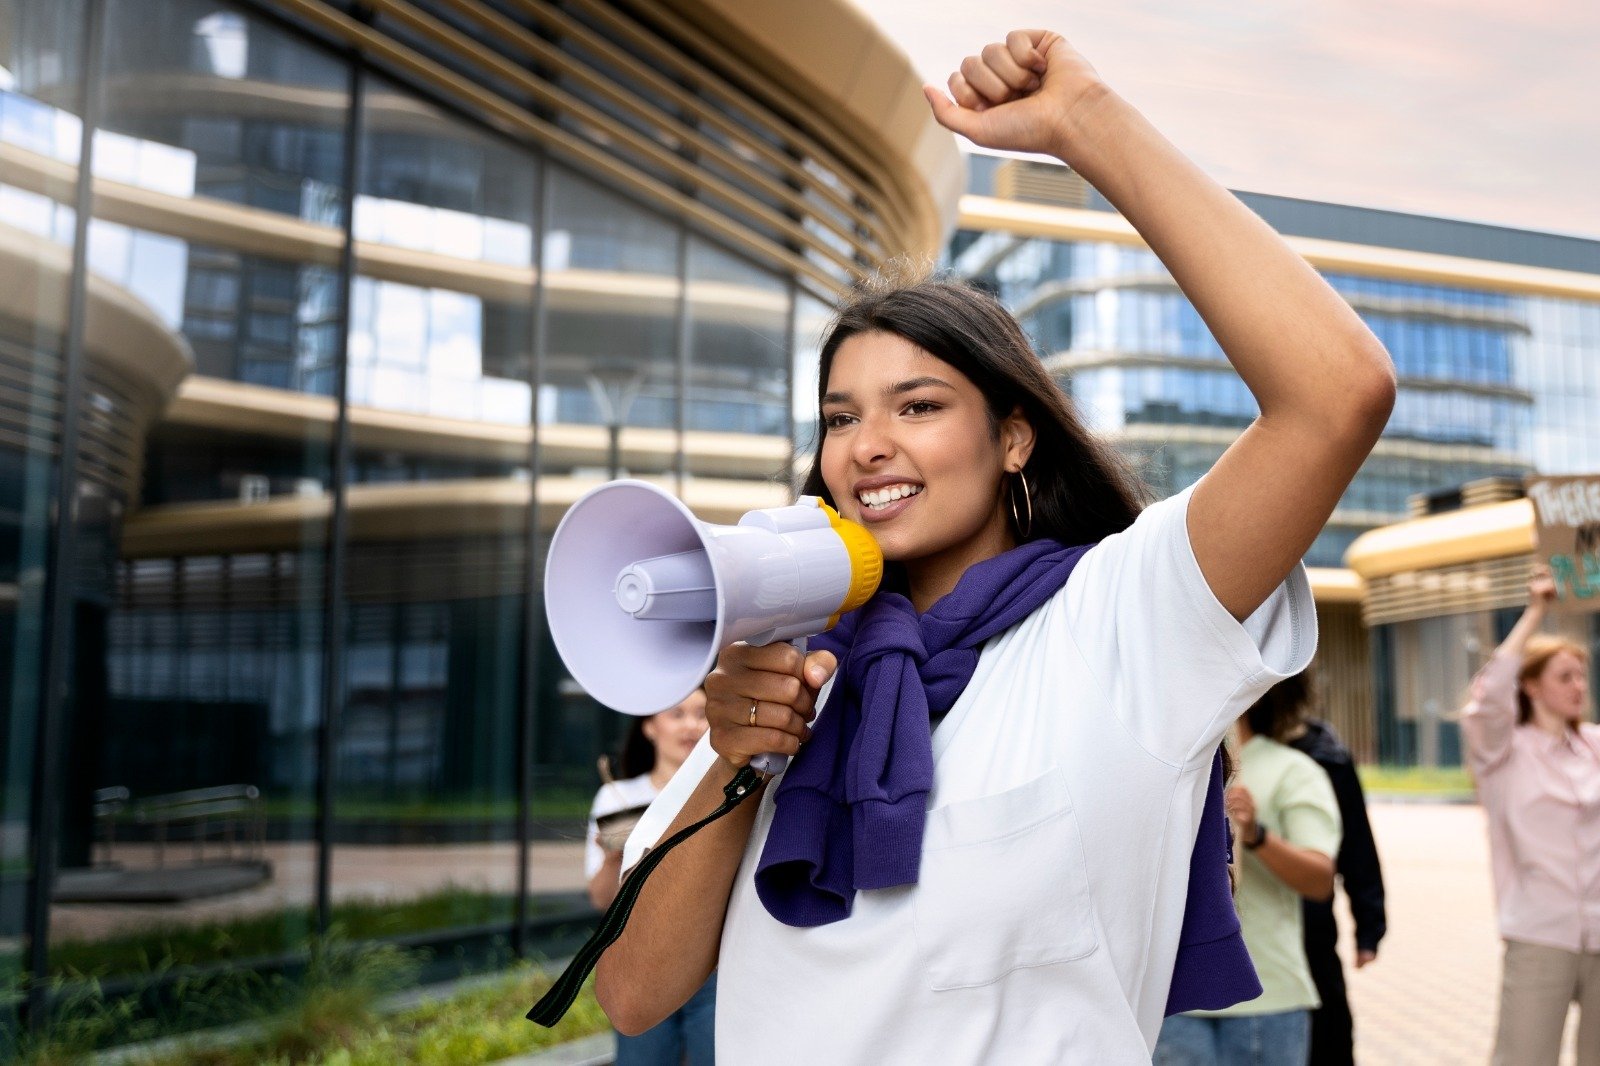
(878, 499)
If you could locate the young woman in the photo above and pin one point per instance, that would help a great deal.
(652, 752)
(1286, 818)
(1361, 877)
(1012, 888)
(1536, 760)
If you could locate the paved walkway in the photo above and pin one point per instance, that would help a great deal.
(360, 872)
(1429, 1000)
(1431, 997)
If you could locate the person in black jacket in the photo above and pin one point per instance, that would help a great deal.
(1332, 1029)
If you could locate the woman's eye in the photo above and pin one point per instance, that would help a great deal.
(837, 421)
(921, 407)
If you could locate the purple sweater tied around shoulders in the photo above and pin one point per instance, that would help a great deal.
(851, 807)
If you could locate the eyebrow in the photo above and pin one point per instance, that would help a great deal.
(897, 389)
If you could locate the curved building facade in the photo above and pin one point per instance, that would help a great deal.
(316, 316)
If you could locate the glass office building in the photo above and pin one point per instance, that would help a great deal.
(1495, 335)
(1492, 382)
(315, 315)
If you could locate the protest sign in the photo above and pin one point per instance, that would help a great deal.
(1567, 514)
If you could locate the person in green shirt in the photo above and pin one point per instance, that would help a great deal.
(1286, 822)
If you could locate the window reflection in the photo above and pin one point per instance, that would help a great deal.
(202, 589)
(39, 62)
(811, 318)
(614, 292)
(439, 393)
(199, 631)
(738, 350)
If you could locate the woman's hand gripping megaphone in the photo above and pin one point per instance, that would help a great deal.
(760, 702)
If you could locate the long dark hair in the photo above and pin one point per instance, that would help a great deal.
(638, 754)
(1282, 709)
(1081, 490)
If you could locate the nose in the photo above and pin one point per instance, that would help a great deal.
(873, 443)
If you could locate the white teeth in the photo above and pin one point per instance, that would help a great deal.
(881, 498)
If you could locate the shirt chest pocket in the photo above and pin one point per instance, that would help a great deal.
(1003, 886)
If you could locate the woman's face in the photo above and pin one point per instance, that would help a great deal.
(909, 451)
(675, 732)
(1562, 687)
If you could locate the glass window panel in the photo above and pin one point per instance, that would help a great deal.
(441, 332)
(738, 376)
(199, 605)
(811, 317)
(238, 133)
(41, 67)
(613, 292)
(610, 394)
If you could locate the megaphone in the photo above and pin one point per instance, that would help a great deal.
(641, 595)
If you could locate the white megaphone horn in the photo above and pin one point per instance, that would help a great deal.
(641, 595)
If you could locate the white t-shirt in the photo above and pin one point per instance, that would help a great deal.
(1068, 785)
(613, 796)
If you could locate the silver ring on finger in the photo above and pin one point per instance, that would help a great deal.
(753, 705)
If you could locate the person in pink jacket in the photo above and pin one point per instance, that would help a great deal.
(1536, 760)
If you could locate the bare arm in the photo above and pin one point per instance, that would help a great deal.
(605, 882)
(1489, 719)
(1308, 872)
(1541, 593)
(1324, 384)
(670, 944)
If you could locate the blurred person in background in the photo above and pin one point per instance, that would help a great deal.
(1332, 1029)
(1286, 820)
(1536, 761)
(652, 751)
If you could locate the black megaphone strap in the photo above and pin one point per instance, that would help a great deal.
(553, 1006)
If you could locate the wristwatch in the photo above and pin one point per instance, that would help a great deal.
(1260, 838)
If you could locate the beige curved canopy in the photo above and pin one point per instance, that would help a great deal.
(1472, 534)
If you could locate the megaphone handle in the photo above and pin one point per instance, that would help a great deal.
(773, 763)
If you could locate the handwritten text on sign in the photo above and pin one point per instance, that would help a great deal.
(1567, 510)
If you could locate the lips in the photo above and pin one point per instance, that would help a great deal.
(881, 498)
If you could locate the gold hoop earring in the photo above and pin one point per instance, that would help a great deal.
(1024, 529)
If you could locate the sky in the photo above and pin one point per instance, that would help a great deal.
(1486, 110)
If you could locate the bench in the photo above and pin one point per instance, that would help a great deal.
(229, 814)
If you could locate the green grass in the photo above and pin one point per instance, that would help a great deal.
(83, 1018)
(1445, 782)
(331, 1014)
(277, 932)
(334, 1028)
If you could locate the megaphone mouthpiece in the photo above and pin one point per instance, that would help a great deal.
(866, 561)
(679, 586)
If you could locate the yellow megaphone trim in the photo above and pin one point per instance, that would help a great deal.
(866, 561)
